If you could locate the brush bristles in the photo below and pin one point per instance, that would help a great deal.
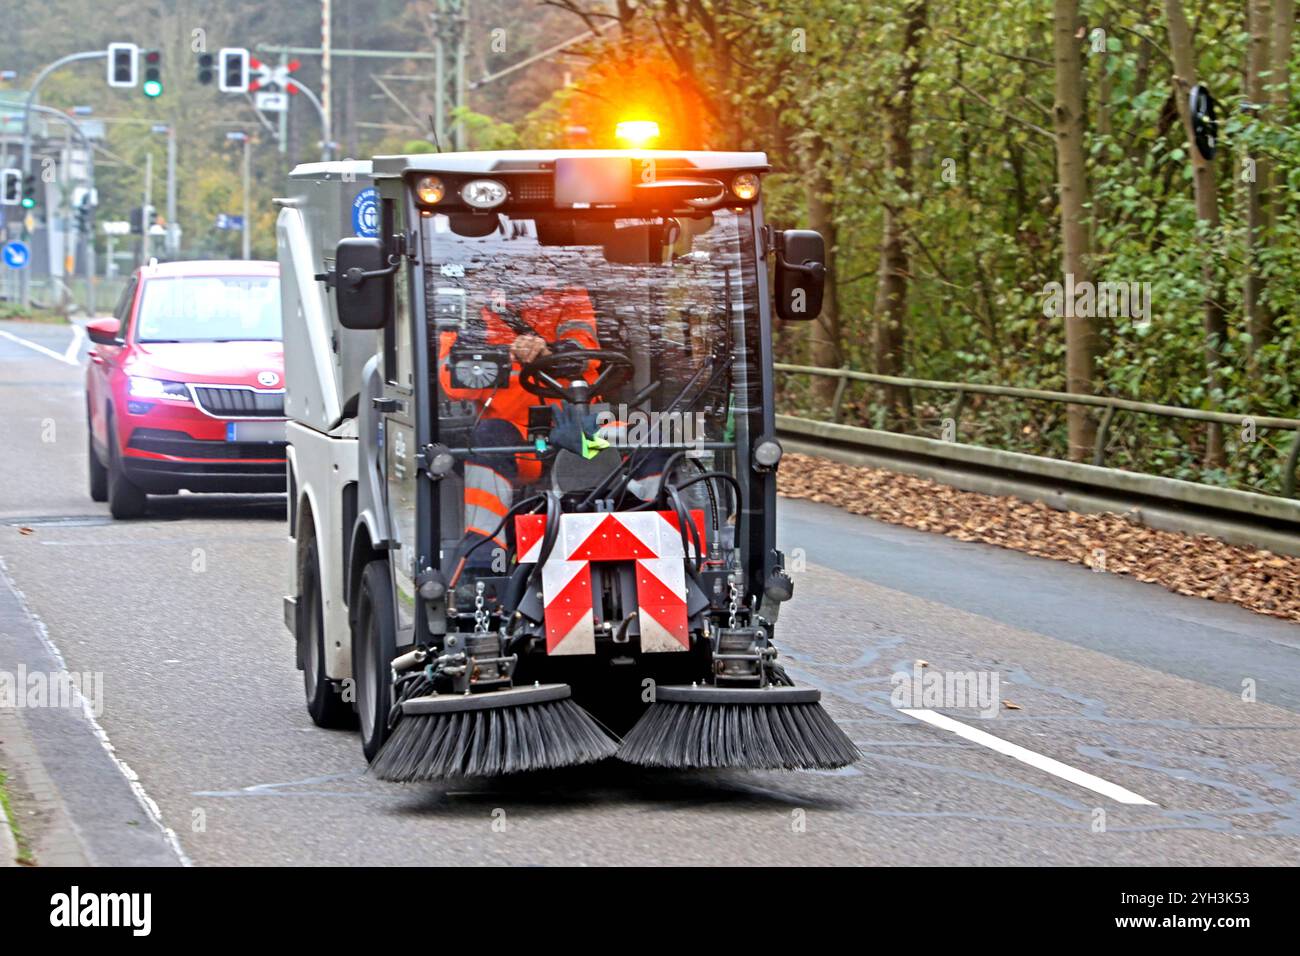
(487, 743)
(754, 736)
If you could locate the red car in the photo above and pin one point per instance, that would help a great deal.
(185, 386)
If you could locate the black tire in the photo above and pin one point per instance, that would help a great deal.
(125, 499)
(374, 645)
(98, 473)
(325, 701)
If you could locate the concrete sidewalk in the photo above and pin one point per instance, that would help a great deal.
(74, 802)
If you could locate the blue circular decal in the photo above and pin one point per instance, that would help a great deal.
(365, 213)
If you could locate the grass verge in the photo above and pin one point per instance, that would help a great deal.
(11, 311)
(24, 851)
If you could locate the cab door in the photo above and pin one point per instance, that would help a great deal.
(401, 471)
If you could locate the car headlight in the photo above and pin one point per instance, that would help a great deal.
(141, 387)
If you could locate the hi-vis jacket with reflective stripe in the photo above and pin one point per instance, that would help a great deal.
(554, 315)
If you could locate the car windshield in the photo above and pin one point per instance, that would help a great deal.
(210, 309)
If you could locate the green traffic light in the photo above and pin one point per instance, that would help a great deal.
(28, 202)
(152, 88)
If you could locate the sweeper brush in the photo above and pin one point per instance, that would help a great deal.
(483, 735)
(767, 728)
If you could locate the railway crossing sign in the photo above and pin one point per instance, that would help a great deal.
(272, 79)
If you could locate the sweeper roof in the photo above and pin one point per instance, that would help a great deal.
(534, 160)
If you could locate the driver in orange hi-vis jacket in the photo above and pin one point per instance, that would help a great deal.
(552, 316)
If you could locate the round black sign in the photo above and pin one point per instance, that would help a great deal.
(1205, 125)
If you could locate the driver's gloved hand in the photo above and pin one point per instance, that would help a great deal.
(576, 431)
(528, 348)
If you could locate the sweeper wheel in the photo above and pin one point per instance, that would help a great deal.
(374, 643)
(325, 703)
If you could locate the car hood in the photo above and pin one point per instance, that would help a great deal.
(218, 363)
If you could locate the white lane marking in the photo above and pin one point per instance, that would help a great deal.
(1064, 771)
(40, 348)
(151, 808)
(70, 353)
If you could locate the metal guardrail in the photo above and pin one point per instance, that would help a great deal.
(48, 292)
(1110, 404)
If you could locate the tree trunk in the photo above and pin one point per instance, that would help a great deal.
(1258, 320)
(1207, 214)
(1279, 79)
(1081, 339)
(891, 287)
(825, 335)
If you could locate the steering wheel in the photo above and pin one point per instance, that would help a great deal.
(539, 375)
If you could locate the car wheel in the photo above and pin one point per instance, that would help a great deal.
(125, 499)
(325, 701)
(374, 645)
(98, 473)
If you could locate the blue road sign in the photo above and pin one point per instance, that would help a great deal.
(17, 255)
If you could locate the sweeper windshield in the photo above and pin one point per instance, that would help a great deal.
(587, 356)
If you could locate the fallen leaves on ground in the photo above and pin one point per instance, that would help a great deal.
(1196, 565)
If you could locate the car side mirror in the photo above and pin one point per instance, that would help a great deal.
(104, 331)
(362, 281)
(800, 274)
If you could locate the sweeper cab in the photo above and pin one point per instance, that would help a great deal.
(532, 459)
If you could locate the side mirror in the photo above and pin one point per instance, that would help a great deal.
(104, 331)
(362, 283)
(800, 274)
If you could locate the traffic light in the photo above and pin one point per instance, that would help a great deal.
(205, 68)
(234, 70)
(29, 191)
(123, 64)
(141, 219)
(11, 186)
(152, 86)
(85, 216)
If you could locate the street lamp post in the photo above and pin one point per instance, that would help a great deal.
(239, 136)
(172, 243)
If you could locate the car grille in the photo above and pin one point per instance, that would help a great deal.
(162, 441)
(239, 402)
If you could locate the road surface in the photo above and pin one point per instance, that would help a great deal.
(1129, 740)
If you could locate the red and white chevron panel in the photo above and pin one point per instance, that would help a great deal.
(652, 539)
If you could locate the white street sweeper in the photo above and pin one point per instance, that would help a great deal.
(532, 460)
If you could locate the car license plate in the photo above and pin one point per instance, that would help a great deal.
(255, 431)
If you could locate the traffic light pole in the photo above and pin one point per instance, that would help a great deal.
(173, 242)
(327, 134)
(25, 294)
(144, 210)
